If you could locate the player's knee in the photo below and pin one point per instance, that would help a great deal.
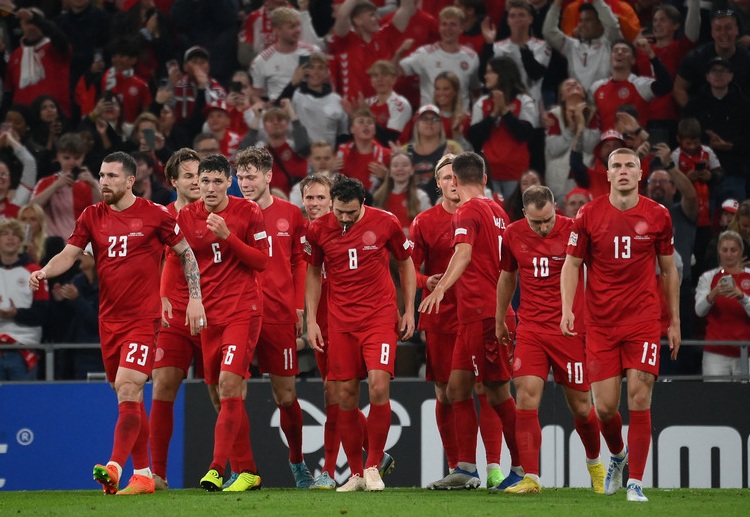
(379, 393)
(604, 412)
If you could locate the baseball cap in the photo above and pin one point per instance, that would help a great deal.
(611, 134)
(215, 105)
(196, 52)
(719, 61)
(730, 205)
(578, 190)
(428, 107)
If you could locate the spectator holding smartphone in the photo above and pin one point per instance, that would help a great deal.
(11, 199)
(723, 297)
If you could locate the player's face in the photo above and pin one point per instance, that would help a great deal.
(450, 30)
(321, 158)
(114, 183)
(186, 183)
(444, 94)
(347, 213)
(447, 185)
(253, 183)
(317, 201)
(10, 243)
(541, 220)
(214, 185)
(730, 254)
(574, 203)
(624, 172)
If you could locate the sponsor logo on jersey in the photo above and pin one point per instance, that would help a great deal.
(573, 240)
(460, 231)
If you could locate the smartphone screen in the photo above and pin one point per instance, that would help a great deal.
(149, 135)
(304, 60)
(658, 136)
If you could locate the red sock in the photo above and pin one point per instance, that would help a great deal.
(612, 432)
(507, 413)
(588, 430)
(639, 441)
(127, 429)
(378, 425)
(225, 432)
(291, 424)
(447, 427)
(350, 432)
(529, 439)
(491, 428)
(465, 415)
(362, 419)
(140, 447)
(242, 459)
(331, 439)
(161, 425)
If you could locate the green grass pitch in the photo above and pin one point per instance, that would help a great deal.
(552, 502)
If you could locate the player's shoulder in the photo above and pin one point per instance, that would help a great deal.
(649, 206)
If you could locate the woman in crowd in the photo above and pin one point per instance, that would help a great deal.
(49, 122)
(399, 194)
(723, 297)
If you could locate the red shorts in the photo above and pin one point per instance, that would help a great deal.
(176, 348)
(477, 350)
(535, 353)
(612, 350)
(277, 349)
(229, 348)
(352, 354)
(439, 354)
(128, 344)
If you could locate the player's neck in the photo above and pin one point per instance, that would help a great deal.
(470, 191)
(181, 202)
(219, 208)
(126, 202)
(624, 200)
(265, 200)
(449, 206)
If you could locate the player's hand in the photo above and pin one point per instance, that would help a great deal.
(432, 282)
(431, 301)
(407, 326)
(567, 324)
(674, 338)
(36, 278)
(298, 323)
(195, 316)
(166, 311)
(314, 337)
(218, 225)
(501, 332)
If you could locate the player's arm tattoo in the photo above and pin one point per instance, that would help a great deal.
(192, 273)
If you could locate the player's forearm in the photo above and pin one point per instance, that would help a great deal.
(506, 286)
(192, 273)
(312, 292)
(568, 284)
(408, 283)
(61, 262)
(459, 262)
(251, 257)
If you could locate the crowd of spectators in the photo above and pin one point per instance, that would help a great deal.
(380, 91)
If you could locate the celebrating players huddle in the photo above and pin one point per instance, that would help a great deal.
(245, 289)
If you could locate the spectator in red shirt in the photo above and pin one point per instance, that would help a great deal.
(120, 79)
(363, 158)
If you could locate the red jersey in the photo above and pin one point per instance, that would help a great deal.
(432, 235)
(481, 223)
(133, 92)
(230, 288)
(322, 315)
(173, 283)
(609, 95)
(284, 279)
(53, 80)
(727, 319)
(128, 247)
(8, 209)
(665, 107)
(686, 163)
(288, 167)
(620, 248)
(540, 261)
(360, 288)
(352, 57)
(355, 163)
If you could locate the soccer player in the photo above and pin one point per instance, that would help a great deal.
(432, 233)
(535, 247)
(175, 346)
(621, 236)
(229, 239)
(353, 241)
(478, 227)
(128, 235)
(283, 298)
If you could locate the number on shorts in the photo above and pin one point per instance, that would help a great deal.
(649, 353)
(353, 264)
(625, 252)
(134, 349)
(575, 373)
(113, 240)
(541, 267)
(474, 363)
(385, 352)
(288, 359)
(229, 356)
(216, 248)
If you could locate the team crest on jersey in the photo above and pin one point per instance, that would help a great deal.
(282, 225)
(286, 155)
(464, 65)
(623, 93)
(136, 225)
(745, 284)
(369, 238)
(573, 240)
(133, 91)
